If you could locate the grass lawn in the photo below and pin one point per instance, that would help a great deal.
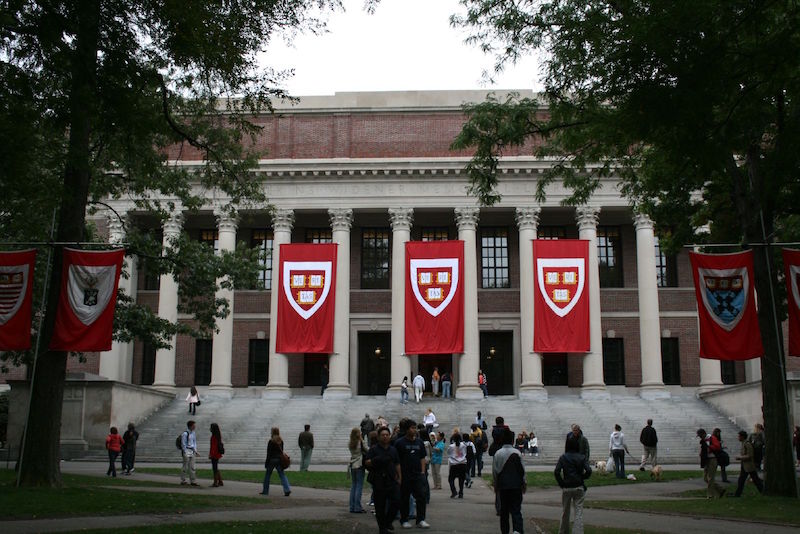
(551, 527)
(86, 495)
(545, 479)
(282, 527)
(306, 479)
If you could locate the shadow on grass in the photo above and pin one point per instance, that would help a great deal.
(307, 479)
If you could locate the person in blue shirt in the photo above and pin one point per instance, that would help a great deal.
(188, 452)
(437, 453)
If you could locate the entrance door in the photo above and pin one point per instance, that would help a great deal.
(554, 369)
(497, 361)
(312, 369)
(374, 362)
(426, 363)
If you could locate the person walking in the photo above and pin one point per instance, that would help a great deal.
(419, 387)
(193, 398)
(188, 453)
(649, 440)
(583, 443)
(748, 466)
(129, 439)
(483, 383)
(617, 449)
(273, 462)
(478, 437)
(435, 382)
(723, 459)
(324, 376)
(356, 470)
(367, 425)
(508, 479)
(447, 379)
(437, 454)
(757, 439)
(457, 462)
(429, 419)
(709, 446)
(306, 443)
(404, 391)
(571, 472)
(383, 464)
(471, 450)
(480, 421)
(114, 444)
(215, 452)
(411, 451)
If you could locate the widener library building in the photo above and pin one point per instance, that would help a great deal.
(370, 172)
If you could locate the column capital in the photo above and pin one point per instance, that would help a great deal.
(227, 218)
(587, 217)
(282, 219)
(528, 217)
(642, 221)
(173, 224)
(401, 218)
(117, 221)
(467, 217)
(341, 218)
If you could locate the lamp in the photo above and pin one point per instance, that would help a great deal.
(492, 352)
(378, 353)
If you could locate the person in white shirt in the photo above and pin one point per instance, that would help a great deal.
(430, 421)
(188, 452)
(617, 448)
(419, 386)
(193, 398)
(457, 460)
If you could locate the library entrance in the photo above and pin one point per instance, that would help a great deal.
(374, 362)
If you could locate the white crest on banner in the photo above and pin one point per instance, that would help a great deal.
(89, 290)
(794, 272)
(564, 264)
(304, 267)
(446, 263)
(729, 297)
(13, 287)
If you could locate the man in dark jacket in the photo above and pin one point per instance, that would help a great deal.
(411, 451)
(383, 464)
(571, 471)
(367, 425)
(306, 443)
(508, 477)
(649, 440)
(748, 466)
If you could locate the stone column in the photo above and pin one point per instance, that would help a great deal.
(531, 387)
(339, 364)
(710, 375)
(168, 307)
(649, 323)
(593, 383)
(117, 363)
(222, 347)
(752, 370)
(470, 362)
(278, 384)
(401, 232)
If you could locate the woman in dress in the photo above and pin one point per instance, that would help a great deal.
(273, 462)
(356, 467)
(193, 398)
(457, 460)
(215, 452)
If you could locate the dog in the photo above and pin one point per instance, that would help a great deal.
(600, 466)
(655, 473)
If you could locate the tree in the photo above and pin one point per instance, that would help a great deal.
(93, 93)
(693, 106)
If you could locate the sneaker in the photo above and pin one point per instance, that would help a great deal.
(184, 483)
(371, 503)
(423, 524)
(460, 495)
(133, 469)
(641, 469)
(287, 493)
(405, 524)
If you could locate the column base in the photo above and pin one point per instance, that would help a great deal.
(654, 392)
(535, 393)
(469, 392)
(277, 392)
(220, 391)
(337, 392)
(595, 393)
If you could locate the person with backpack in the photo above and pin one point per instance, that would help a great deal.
(188, 446)
(478, 437)
(571, 472)
(508, 479)
(215, 452)
(457, 461)
(129, 438)
(723, 458)
(471, 453)
(709, 447)
(367, 426)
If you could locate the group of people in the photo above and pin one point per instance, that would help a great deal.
(527, 444)
(445, 380)
(713, 455)
(187, 443)
(125, 445)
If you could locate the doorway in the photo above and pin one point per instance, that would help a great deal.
(497, 361)
(374, 362)
(555, 369)
(426, 363)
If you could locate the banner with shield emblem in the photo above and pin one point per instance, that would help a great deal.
(561, 295)
(434, 297)
(726, 306)
(306, 301)
(85, 315)
(16, 290)
(791, 266)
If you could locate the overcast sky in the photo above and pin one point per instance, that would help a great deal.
(404, 45)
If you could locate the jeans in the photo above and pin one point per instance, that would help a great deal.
(305, 458)
(403, 396)
(128, 456)
(619, 462)
(568, 497)
(356, 487)
(112, 460)
(446, 389)
(510, 504)
(271, 466)
(479, 460)
(188, 467)
(485, 390)
(408, 488)
(192, 408)
(435, 387)
(743, 478)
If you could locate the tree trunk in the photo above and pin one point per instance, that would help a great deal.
(41, 454)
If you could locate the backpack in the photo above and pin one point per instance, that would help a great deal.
(723, 458)
(484, 426)
(179, 441)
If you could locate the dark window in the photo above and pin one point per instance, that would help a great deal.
(613, 362)
(728, 369)
(375, 258)
(319, 235)
(494, 258)
(555, 371)
(262, 241)
(609, 255)
(210, 238)
(551, 232)
(202, 362)
(148, 364)
(666, 268)
(258, 362)
(151, 280)
(313, 369)
(670, 361)
(435, 233)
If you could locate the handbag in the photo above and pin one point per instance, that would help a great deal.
(285, 461)
(610, 464)
(198, 403)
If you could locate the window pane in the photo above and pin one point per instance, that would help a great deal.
(263, 242)
(670, 361)
(210, 238)
(494, 254)
(258, 362)
(375, 258)
(666, 268)
(319, 235)
(435, 233)
(609, 256)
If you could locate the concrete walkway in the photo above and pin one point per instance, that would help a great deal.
(474, 513)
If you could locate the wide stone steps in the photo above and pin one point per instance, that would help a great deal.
(246, 421)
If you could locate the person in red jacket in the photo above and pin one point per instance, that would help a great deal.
(216, 451)
(114, 444)
(709, 447)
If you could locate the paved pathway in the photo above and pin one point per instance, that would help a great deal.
(474, 513)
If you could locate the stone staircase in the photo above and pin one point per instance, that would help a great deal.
(246, 420)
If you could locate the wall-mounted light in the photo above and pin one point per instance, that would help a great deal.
(378, 353)
(492, 352)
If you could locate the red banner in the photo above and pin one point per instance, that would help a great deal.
(561, 295)
(306, 298)
(16, 290)
(434, 297)
(791, 266)
(726, 307)
(85, 315)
